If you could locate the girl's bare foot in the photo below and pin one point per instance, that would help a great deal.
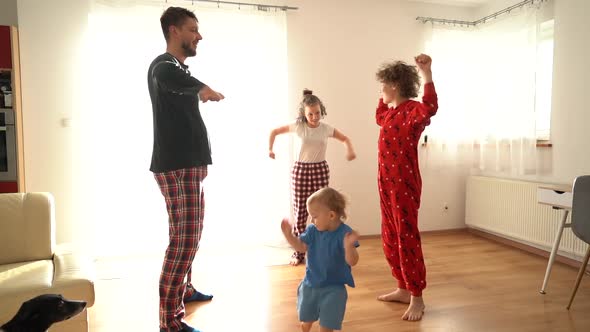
(415, 309)
(295, 261)
(398, 295)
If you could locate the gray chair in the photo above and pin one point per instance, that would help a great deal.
(581, 222)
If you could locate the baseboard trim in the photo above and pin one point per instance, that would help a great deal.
(445, 231)
(370, 237)
(524, 247)
(511, 243)
(434, 232)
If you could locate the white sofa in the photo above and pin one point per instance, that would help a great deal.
(31, 264)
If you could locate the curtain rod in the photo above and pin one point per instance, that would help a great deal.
(481, 20)
(259, 6)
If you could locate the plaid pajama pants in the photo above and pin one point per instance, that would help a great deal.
(185, 203)
(306, 178)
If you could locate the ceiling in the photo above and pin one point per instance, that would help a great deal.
(462, 3)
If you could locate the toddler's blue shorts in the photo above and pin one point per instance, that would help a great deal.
(326, 304)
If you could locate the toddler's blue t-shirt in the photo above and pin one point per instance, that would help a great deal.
(326, 262)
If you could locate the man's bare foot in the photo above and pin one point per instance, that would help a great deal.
(398, 295)
(415, 309)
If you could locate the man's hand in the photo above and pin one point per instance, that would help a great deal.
(207, 94)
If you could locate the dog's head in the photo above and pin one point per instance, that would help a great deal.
(39, 313)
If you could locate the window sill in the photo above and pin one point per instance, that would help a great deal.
(544, 144)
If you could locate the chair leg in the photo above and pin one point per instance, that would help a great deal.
(580, 275)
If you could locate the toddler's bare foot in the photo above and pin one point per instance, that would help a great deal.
(398, 295)
(415, 309)
(306, 326)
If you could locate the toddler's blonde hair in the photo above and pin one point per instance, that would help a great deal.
(331, 198)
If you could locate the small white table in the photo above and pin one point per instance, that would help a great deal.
(560, 198)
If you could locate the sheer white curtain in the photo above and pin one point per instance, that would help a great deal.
(485, 79)
(243, 55)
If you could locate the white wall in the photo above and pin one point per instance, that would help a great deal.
(8, 14)
(571, 114)
(50, 35)
(330, 52)
(335, 49)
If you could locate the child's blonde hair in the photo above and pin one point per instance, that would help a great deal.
(331, 198)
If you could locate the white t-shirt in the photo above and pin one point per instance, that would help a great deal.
(313, 141)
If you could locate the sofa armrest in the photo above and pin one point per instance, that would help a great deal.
(27, 227)
(74, 274)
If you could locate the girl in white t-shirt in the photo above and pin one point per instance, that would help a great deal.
(310, 171)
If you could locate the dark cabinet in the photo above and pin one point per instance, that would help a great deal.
(12, 168)
(5, 48)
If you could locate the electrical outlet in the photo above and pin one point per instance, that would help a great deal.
(66, 122)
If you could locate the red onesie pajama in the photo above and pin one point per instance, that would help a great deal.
(400, 186)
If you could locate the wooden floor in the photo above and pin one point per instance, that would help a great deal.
(474, 284)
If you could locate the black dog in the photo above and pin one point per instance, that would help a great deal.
(39, 313)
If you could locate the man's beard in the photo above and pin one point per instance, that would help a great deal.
(188, 51)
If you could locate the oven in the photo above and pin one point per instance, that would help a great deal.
(7, 147)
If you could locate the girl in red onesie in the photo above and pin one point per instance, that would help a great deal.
(399, 179)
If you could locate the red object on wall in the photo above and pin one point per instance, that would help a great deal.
(5, 47)
(8, 187)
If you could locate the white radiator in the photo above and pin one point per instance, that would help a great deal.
(509, 208)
